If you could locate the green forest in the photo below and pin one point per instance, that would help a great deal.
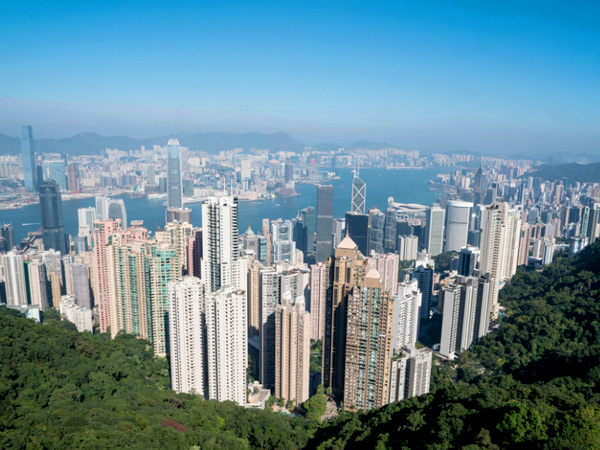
(532, 383)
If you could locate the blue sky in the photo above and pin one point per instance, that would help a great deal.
(483, 76)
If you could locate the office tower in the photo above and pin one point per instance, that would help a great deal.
(339, 225)
(28, 155)
(177, 234)
(376, 231)
(254, 307)
(410, 373)
(187, 336)
(347, 269)
(102, 208)
(53, 233)
(14, 278)
(72, 177)
(359, 195)
(408, 247)
(288, 170)
(368, 345)
(474, 238)
(81, 284)
(292, 350)
(194, 253)
(116, 210)
(499, 246)
(86, 217)
(357, 228)
(468, 259)
(38, 283)
(80, 244)
(174, 186)
(269, 292)
(406, 316)
(319, 280)
(457, 225)
(435, 230)
(479, 184)
(390, 233)
(80, 316)
(284, 247)
(266, 231)
(55, 170)
(387, 266)
(307, 216)
(8, 233)
(324, 222)
(103, 280)
(221, 263)
(179, 215)
(466, 313)
(423, 273)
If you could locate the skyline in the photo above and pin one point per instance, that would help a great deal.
(484, 78)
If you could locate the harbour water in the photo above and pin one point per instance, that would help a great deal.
(407, 186)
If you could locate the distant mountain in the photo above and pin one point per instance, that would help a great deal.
(571, 173)
(92, 143)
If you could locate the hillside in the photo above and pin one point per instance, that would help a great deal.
(92, 143)
(570, 173)
(533, 383)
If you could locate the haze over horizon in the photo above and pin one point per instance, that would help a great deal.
(427, 76)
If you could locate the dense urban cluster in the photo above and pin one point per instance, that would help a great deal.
(239, 316)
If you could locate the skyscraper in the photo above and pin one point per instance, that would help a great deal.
(359, 195)
(221, 262)
(407, 304)
(174, 185)
(38, 283)
(86, 217)
(28, 156)
(390, 235)
(376, 230)
(8, 233)
(457, 224)
(423, 273)
(14, 278)
(347, 269)
(56, 170)
(410, 373)
(357, 228)
(116, 210)
(324, 222)
(501, 230)
(102, 208)
(53, 233)
(292, 350)
(435, 230)
(284, 247)
(368, 344)
(318, 293)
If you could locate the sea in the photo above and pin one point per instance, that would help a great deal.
(405, 185)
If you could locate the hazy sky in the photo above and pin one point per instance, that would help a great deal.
(477, 75)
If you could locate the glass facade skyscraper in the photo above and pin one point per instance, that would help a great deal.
(53, 232)
(56, 170)
(28, 155)
(174, 188)
(324, 222)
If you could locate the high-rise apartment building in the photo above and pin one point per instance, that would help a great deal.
(324, 223)
(458, 216)
(468, 259)
(14, 278)
(284, 247)
(435, 230)
(221, 262)
(410, 373)
(319, 281)
(177, 234)
(501, 227)
(53, 232)
(406, 316)
(466, 313)
(408, 247)
(38, 283)
(387, 266)
(28, 156)
(423, 273)
(368, 349)
(208, 340)
(346, 270)
(292, 350)
(269, 299)
(174, 184)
